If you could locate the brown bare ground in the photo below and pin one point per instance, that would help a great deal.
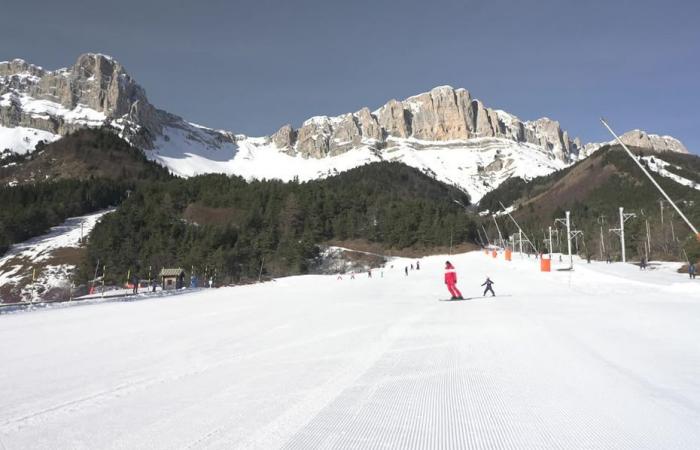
(10, 292)
(206, 215)
(575, 186)
(67, 255)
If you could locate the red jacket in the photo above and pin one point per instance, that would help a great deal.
(450, 274)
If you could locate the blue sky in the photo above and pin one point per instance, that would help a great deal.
(252, 66)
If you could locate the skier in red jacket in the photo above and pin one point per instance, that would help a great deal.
(451, 281)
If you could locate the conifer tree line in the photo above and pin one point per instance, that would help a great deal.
(30, 210)
(233, 227)
(83, 172)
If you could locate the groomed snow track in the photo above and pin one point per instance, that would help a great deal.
(606, 356)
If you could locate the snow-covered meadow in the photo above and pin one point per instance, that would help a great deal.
(606, 356)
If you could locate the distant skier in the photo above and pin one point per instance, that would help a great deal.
(411, 266)
(417, 265)
(691, 271)
(135, 284)
(488, 284)
(405, 269)
(643, 263)
(451, 281)
(369, 273)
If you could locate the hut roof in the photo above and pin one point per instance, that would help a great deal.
(171, 272)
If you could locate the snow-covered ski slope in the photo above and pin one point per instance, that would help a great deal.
(604, 357)
(39, 255)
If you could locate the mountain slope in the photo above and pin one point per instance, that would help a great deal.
(593, 190)
(81, 155)
(42, 268)
(444, 132)
(95, 92)
(84, 172)
(237, 227)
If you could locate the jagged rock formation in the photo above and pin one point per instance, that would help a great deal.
(444, 132)
(96, 91)
(443, 114)
(639, 138)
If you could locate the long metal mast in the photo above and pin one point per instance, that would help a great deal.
(631, 155)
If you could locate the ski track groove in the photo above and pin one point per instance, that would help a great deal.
(131, 387)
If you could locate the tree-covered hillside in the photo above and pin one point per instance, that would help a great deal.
(82, 155)
(233, 227)
(81, 173)
(594, 189)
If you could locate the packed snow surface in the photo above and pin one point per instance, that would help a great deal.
(606, 356)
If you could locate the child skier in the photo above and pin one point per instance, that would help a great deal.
(488, 284)
(451, 281)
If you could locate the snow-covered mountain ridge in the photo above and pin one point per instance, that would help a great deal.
(444, 132)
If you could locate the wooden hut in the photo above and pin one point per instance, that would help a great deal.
(172, 278)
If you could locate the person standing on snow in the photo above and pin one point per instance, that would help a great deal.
(691, 270)
(417, 265)
(488, 284)
(451, 281)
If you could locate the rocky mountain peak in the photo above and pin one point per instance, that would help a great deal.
(104, 85)
(467, 143)
(18, 67)
(95, 91)
(639, 138)
(442, 114)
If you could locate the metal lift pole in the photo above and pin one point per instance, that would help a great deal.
(631, 155)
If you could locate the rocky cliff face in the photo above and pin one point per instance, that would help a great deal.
(639, 138)
(96, 91)
(486, 145)
(443, 114)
